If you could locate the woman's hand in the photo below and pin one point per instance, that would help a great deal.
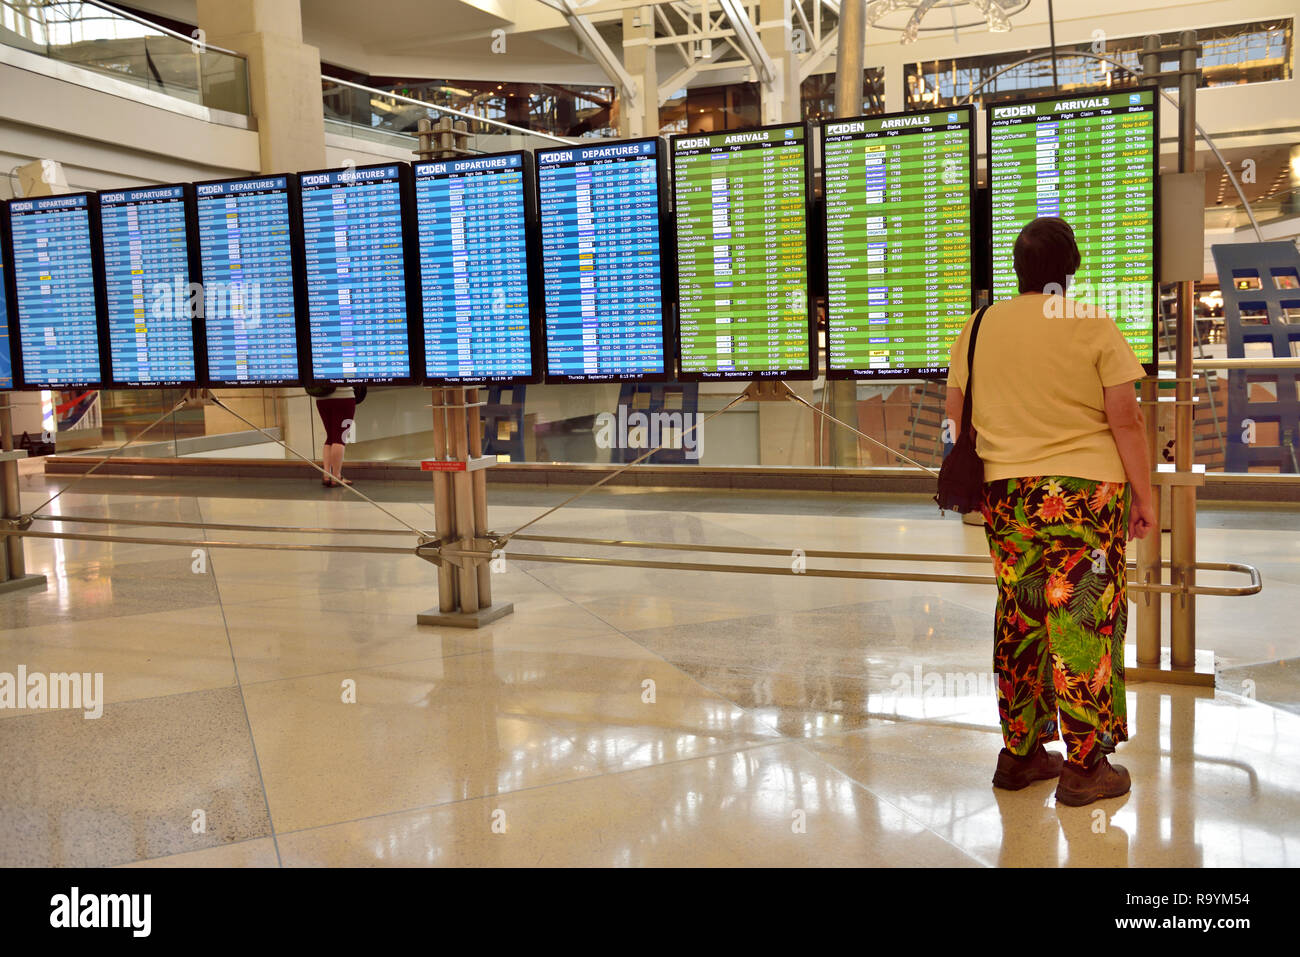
(1141, 519)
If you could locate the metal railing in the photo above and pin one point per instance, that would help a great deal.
(99, 37)
(366, 112)
(1281, 205)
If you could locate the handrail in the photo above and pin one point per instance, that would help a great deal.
(127, 15)
(1255, 586)
(446, 109)
(1261, 362)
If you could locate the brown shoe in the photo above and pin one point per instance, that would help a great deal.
(1014, 772)
(1079, 787)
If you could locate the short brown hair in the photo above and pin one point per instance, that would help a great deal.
(1045, 253)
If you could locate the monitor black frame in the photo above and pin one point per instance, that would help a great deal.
(533, 278)
(17, 359)
(299, 289)
(1151, 367)
(198, 339)
(410, 280)
(666, 259)
(7, 302)
(910, 372)
(808, 372)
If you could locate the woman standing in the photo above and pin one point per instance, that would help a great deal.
(337, 409)
(1067, 482)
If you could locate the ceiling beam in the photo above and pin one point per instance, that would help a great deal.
(748, 41)
(818, 55)
(595, 43)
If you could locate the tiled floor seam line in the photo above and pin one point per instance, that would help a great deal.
(411, 661)
(163, 857)
(688, 677)
(799, 743)
(243, 702)
(782, 738)
(535, 787)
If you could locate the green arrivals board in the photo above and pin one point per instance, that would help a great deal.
(899, 228)
(741, 214)
(1093, 160)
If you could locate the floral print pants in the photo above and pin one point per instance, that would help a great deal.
(1058, 553)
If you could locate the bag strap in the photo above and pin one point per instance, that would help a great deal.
(970, 371)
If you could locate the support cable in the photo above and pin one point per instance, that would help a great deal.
(422, 534)
(501, 541)
(27, 516)
(862, 435)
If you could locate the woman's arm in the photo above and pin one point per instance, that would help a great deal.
(1128, 426)
(952, 405)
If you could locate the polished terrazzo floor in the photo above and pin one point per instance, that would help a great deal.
(787, 725)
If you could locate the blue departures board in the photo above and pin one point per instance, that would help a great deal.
(54, 287)
(473, 229)
(600, 224)
(147, 287)
(6, 363)
(246, 257)
(357, 295)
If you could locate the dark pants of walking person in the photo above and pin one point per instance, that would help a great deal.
(1058, 547)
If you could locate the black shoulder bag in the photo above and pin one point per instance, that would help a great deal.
(961, 477)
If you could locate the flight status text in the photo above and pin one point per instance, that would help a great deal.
(898, 241)
(55, 286)
(600, 261)
(248, 300)
(146, 282)
(1090, 161)
(741, 211)
(356, 275)
(6, 360)
(474, 268)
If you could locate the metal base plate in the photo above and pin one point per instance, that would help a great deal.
(26, 581)
(1203, 675)
(460, 619)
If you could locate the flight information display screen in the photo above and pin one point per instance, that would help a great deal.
(601, 266)
(472, 218)
(741, 214)
(357, 291)
(6, 362)
(147, 287)
(249, 297)
(54, 289)
(899, 241)
(1092, 160)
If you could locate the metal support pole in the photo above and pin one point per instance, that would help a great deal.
(1051, 35)
(1182, 610)
(463, 496)
(459, 490)
(424, 132)
(478, 481)
(448, 595)
(13, 563)
(850, 50)
(1150, 550)
(14, 560)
